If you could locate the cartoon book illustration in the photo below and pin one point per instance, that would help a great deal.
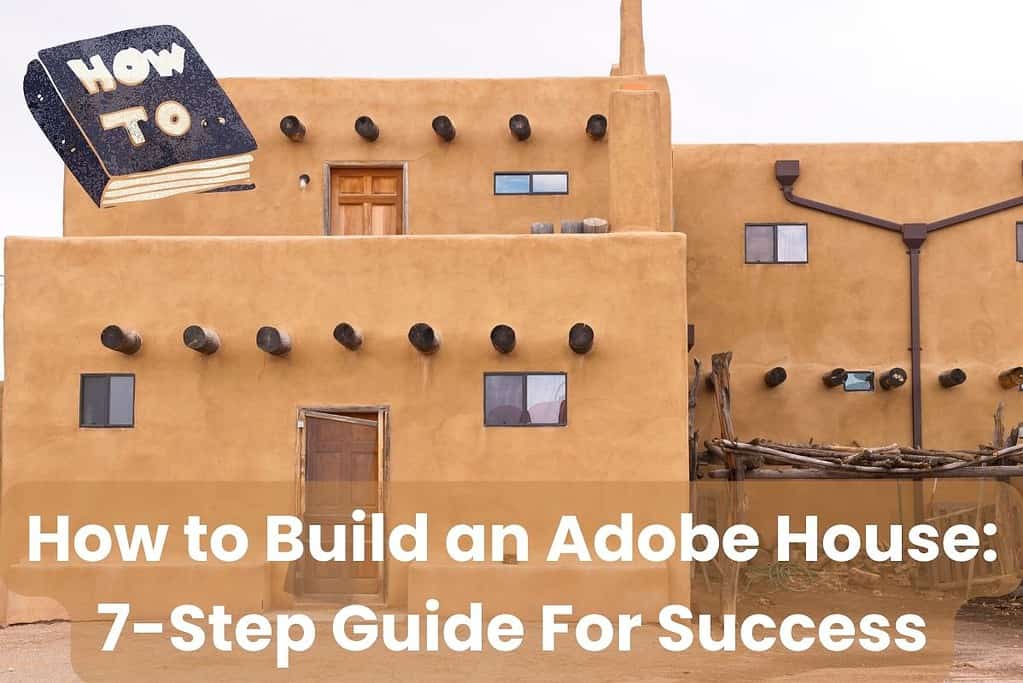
(137, 115)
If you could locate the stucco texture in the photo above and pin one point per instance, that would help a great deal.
(231, 417)
(450, 185)
(242, 404)
(849, 306)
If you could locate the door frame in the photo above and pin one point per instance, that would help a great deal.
(392, 165)
(382, 415)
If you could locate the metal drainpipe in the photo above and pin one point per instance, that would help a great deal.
(914, 235)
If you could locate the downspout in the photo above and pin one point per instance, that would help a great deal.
(913, 236)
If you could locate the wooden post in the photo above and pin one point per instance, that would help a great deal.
(520, 127)
(835, 378)
(694, 434)
(424, 338)
(1012, 378)
(122, 340)
(348, 336)
(580, 338)
(775, 377)
(503, 338)
(721, 369)
(734, 490)
(201, 339)
(444, 128)
(273, 341)
(365, 127)
(893, 379)
(952, 378)
(596, 127)
(922, 578)
(293, 128)
(998, 438)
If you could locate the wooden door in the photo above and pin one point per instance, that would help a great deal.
(367, 201)
(341, 476)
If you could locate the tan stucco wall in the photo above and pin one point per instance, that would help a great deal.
(849, 307)
(232, 416)
(450, 186)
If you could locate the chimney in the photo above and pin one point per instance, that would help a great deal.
(632, 60)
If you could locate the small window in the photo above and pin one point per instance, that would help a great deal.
(107, 401)
(525, 399)
(860, 380)
(1019, 242)
(531, 183)
(776, 243)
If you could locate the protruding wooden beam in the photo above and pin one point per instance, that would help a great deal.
(775, 377)
(293, 128)
(835, 378)
(365, 127)
(1011, 378)
(348, 336)
(503, 338)
(201, 339)
(122, 340)
(595, 226)
(424, 338)
(520, 128)
(596, 127)
(444, 128)
(952, 378)
(580, 338)
(273, 341)
(893, 379)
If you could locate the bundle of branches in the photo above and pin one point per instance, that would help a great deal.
(891, 459)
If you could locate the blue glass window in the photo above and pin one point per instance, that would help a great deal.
(860, 381)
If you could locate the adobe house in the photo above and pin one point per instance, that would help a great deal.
(385, 258)
(375, 310)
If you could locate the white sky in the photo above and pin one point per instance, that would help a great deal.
(739, 70)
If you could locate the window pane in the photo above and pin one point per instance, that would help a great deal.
(860, 381)
(503, 400)
(545, 399)
(550, 183)
(122, 401)
(1019, 242)
(759, 244)
(95, 395)
(792, 244)
(511, 184)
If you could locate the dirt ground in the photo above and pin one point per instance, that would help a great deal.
(987, 645)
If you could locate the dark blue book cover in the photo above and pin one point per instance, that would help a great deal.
(138, 115)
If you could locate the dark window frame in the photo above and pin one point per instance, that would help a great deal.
(774, 254)
(1019, 242)
(81, 399)
(873, 382)
(525, 375)
(531, 192)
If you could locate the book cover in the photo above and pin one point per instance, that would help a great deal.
(138, 115)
